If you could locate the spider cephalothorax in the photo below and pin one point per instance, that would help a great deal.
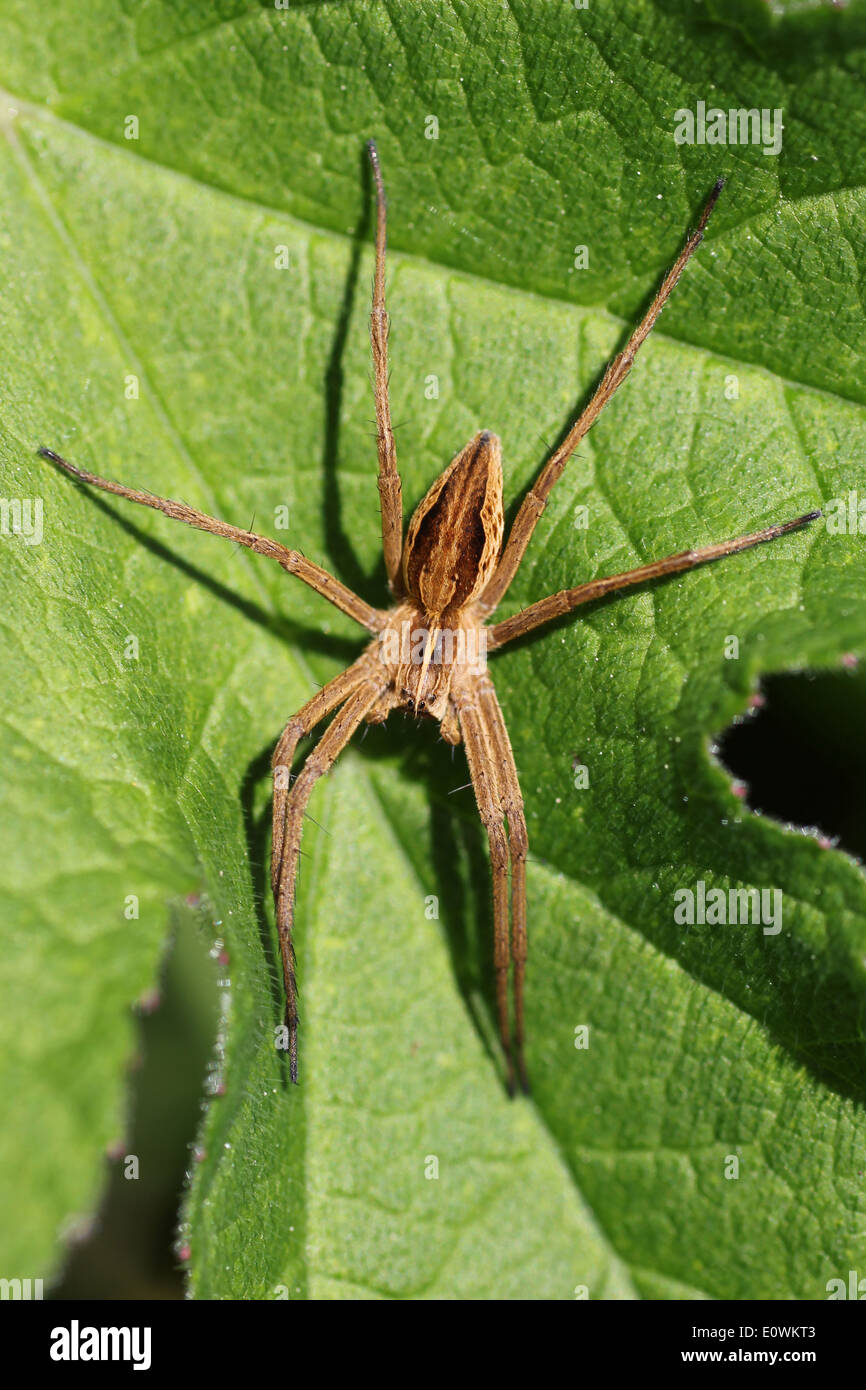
(429, 652)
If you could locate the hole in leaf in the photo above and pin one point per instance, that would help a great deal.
(801, 754)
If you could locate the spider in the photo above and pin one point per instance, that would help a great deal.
(428, 652)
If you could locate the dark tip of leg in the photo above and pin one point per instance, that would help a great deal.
(49, 454)
(799, 521)
(524, 1076)
(711, 203)
(292, 1026)
(510, 1079)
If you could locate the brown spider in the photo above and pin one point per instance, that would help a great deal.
(428, 652)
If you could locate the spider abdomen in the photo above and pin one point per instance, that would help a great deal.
(455, 535)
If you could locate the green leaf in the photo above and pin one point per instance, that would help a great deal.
(150, 336)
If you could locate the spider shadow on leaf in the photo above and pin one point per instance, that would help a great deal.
(466, 908)
(456, 849)
(338, 541)
(284, 629)
(457, 852)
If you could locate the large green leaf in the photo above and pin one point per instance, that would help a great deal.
(151, 264)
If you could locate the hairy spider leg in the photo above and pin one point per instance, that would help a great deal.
(555, 605)
(535, 501)
(390, 488)
(291, 560)
(335, 738)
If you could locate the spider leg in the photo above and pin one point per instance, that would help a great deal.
(535, 501)
(291, 560)
(511, 800)
(390, 489)
(323, 756)
(555, 605)
(481, 755)
(323, 703)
